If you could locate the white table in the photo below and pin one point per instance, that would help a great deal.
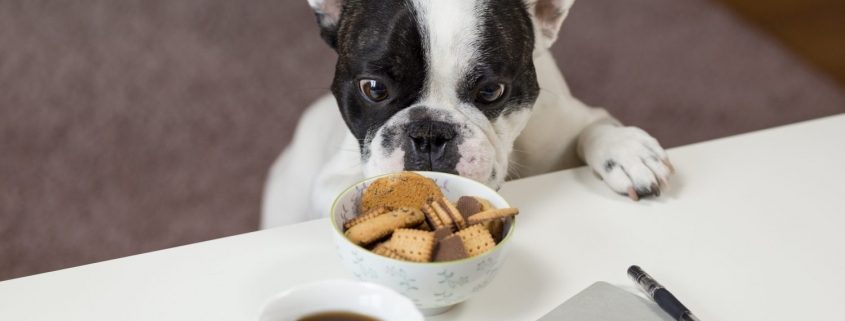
(754, 229)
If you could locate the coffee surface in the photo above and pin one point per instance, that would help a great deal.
(337, 316)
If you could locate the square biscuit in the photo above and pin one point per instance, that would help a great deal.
(384, 249)
(414, 245)
(476, 239)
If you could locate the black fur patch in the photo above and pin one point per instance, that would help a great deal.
(507, 45)
(377, 40)
(609, 166)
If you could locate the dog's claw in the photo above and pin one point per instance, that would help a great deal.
(644, 192)
(632, 194)
(664, 183)
(655, 191)
(669, 165)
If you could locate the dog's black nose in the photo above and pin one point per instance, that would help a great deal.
(431, 144)
(430, 137)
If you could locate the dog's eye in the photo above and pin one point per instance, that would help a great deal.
(374, 90)
(490, 92)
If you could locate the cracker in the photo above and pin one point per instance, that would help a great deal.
(442, 214)
(470, 205)
(432, 218)
(382, 225)
(365, 217)
(381, 247)
(414, 245)
(386, 252)
(476, 239)
(452, 212)
(449, 249)
(492, 214)
(384, 249)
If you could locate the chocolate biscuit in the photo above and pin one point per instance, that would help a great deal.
(449, 249)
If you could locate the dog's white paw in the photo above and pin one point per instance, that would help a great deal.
(629, 160)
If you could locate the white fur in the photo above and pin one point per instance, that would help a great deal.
(450, 31)
(320, 161)
(381, 162)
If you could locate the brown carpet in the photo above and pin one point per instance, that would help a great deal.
(131, 126)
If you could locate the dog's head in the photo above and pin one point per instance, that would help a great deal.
(442, 85)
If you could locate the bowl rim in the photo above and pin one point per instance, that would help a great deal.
(498, 246)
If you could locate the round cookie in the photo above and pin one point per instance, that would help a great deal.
(404, 189)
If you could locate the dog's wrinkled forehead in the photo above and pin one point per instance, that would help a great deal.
(431, 52)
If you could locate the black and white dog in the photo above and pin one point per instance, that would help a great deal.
(459, 86)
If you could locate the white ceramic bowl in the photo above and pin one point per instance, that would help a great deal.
(433, 287)
(340, 295)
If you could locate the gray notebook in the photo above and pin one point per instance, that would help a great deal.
(604, 302)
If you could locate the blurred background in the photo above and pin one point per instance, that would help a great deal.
(136, 125)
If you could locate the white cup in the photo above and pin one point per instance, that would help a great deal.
(363, 298)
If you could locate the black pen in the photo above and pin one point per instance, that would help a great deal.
(659, 294)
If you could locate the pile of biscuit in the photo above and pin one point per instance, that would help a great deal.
(405, 216)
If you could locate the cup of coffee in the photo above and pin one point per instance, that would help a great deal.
(339, 300)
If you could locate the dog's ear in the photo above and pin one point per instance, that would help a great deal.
(548, 16)
(328, 15)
